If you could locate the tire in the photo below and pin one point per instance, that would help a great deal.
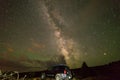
(43, 76)
(58, 77)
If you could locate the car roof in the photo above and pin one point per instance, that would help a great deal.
(59, 65)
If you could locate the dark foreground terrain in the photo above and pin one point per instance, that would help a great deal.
(110, 71)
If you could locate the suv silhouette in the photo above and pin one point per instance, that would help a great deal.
(59, 72)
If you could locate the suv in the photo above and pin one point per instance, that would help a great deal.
(59, 72)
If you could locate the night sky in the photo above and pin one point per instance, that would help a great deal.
(35, 34)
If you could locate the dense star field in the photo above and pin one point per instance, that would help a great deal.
(37, 33)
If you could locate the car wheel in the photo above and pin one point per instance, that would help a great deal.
(43, 76)
(58, 77)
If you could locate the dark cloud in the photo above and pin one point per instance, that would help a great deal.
(7, 65)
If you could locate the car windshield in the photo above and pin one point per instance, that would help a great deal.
(60, 67)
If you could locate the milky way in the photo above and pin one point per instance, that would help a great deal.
(56, 22)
